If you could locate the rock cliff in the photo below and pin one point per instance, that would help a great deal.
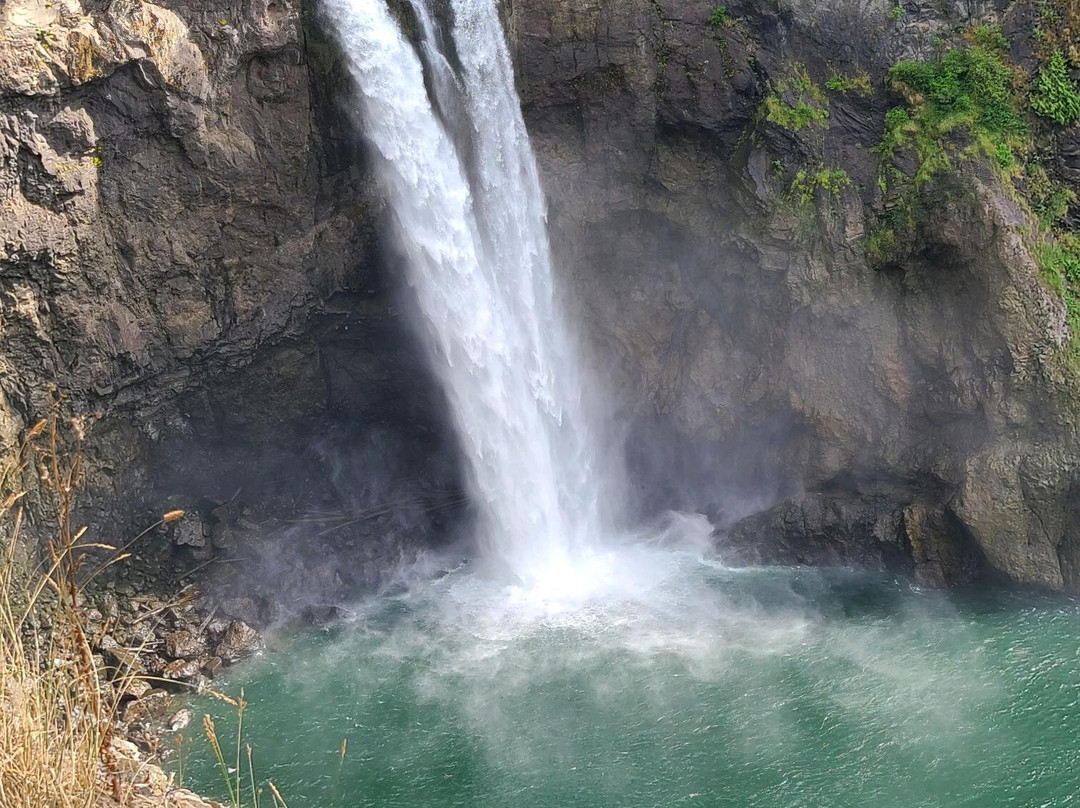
(718, 185)
(193, 248)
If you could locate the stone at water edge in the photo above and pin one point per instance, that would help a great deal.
(239, 641)
(184, 644)
(180, 720)
(154, 706)
(181, 669)
(134, 688)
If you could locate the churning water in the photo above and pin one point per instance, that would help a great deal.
(637, 673)
(691, 685)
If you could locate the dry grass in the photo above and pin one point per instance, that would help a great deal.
(53, 733)
(55, 726)
(59, 707)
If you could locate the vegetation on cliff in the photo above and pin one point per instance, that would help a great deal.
(1054, 94)
(797, 102)
(970, 103)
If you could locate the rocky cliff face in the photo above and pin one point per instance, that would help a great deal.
(715, 178)
(192, 248)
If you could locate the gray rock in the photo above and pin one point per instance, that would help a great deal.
(188, 532)
(181, 670)
(180, 720)
(183, 644)
(239, 642)
(133, 688)
(150, 708)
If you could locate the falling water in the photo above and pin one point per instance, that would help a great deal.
(462, 182)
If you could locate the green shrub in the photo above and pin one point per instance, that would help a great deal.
(898, 128)
(719, 18)
(968, 87)
(856, 85)
(1054, 94)
(793, 117)
(810, 104)
(1003, 156)
(806, 183)
(989, 36)
(897, 12)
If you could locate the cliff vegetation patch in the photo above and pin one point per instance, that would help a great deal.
(1054, 94)
(797, 102)
(972, 102)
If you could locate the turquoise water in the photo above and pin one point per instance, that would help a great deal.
(683, 683)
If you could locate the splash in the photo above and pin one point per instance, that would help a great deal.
(460, 174)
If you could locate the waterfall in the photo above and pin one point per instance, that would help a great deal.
(462, 182)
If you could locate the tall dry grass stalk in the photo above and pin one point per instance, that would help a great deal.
(58, 708)
(53, 729)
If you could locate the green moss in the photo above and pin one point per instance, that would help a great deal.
(1054, 94)
(719, 17)
(858, 84)
(805, 190)
(897, 12)
(809, 105)
(1049, 200)
(1059, 264)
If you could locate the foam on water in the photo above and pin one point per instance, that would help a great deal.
(773, 688)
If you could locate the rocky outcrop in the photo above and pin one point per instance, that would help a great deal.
(190, 249)
(714, 180)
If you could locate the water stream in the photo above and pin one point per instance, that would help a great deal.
(470, 219)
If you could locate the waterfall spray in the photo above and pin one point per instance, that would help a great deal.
(471, 223)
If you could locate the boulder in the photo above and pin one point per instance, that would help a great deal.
(180, 720)
(239, 641)
(184, 644)
(152, 707)
(181, 670)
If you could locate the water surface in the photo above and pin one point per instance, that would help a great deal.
(676, 681)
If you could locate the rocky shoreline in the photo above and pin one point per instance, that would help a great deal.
(157, 650)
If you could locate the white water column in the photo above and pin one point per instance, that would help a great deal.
(471, 223)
